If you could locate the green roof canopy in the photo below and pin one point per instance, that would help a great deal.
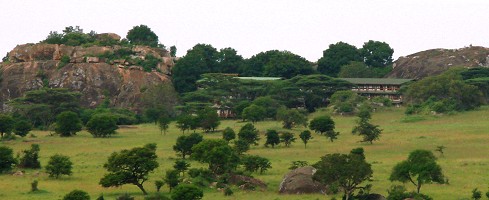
(260, 78)
(377, 81)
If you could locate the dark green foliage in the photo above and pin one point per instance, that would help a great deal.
(67, 124)
(30, 158)
(149, 62)
(172, 178)
(298, 163)
(181, 166)
(125, 197)
(152, 114)
(399, 192)
(130, 167)
(291, 118)
(201, 59)
(347, 171)
(376, 54)
(184, 122)
(357, 69)
(187, 192)
(249, 134)
(142, 35)
(476, 194)
(65, 59)
(305, 137)
(276, 63)
(229, 61)
(364, 128)
(208, 119)
(345, 101)
(287, 138)
(253, 113)
(228, 134)
(443, 93)
(163, 123)
(324, 125)
(162, 97)
(272, 138)
(239, 107)
(34, 186)
(102, 125)
(254, 163)
(241, 146)
(420, 168)
(159, 184)
(22, 128)
(7, 160)
(217, 153)
(77, 195)
(40, 107)
(59, 165)
(173, 51)
(335, 56)
(122, 116)
(185, 143)
(7, 124)
(228, 191)
(269, 104)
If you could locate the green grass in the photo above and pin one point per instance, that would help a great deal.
(465, 136)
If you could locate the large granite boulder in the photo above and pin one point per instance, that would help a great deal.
(246, 182)
(299, 181)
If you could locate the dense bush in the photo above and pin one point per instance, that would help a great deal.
(30, 158)
(77, 195)
(102, 125)
(7, 160)
(59, 165)
(187, 192)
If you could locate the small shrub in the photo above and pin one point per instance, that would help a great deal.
(156, 196)
(34, 185)
(59, 165)
(187, 192)
(228, 192)
(7, 160)
(64, 60)
(77, 195)
(476, 194)
(30, 158)
(101, 197)
(159, 184)
(125, 197)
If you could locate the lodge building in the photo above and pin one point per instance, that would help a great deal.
(373, 87)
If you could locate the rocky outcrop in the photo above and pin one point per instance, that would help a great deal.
(246, 182)
(299, 181)
(32, 67)
(436, 61)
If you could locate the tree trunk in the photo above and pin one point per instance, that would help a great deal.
(418, 187)
(140, 186)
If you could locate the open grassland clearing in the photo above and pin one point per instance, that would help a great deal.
(465, 162)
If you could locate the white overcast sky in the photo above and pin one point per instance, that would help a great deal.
(304, 27)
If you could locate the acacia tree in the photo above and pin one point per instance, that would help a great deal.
(67, 124)
(272, 138)
(291, 118)
(420, 168)
(130, 167)
(324, 125)
(185, 143)
(347, 171)
(305, 137)
(364, 128)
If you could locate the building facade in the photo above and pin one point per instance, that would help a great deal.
(383, 87)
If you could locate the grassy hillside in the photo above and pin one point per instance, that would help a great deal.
(465, 163)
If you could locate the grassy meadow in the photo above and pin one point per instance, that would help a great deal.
(465, 164)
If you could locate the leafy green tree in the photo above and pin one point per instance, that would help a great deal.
(420, 168)
(228, 134)
(130, 167)
(142, 35)
(241, 146)
(184, 122)
(272, 138)
(277, 64)
(22, 128)
(208, 119)
(173, 51)
(187, 192)
(249, 134)
(6, 124)
(253, 113)
(239, 107)
(181, 166)
(30, 158)
(364, 128)
(324, 125)
(201, 59)
(152, 114)
(161, 97)
(254, 163)
(67, 124)
(102, 125)
(7, 160)
(305, 137)
(172, 178)
(287, 138)
(376, 54)
(335, 56)
(59, 165)
(229, 61)
(356, 69)
(345, 101)
(164, 124)
(77, 195)
(217, 153)
(159, 184)
(291, 118)
(399, 192)
(185, 143)
(269, 104)
(347, 171)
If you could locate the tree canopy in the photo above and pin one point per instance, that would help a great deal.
(324, 125)
(142, 35)
(130, 167)
(220, 157)
(335, 56)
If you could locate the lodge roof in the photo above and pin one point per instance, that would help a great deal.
(260, 78)
(377, 81)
